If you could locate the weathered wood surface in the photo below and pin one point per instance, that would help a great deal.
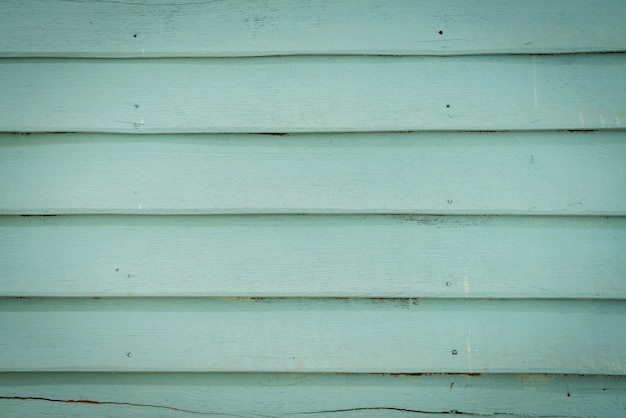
(296, 395)
(254, 294)
(282, 27)
(341, 256)
(312, 335)
(313, 94)
(550, 173)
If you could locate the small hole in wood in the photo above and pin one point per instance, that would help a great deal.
(440, 32)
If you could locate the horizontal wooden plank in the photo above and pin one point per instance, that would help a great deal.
(348, 256)
(313, 94)
(281, 27)
(556, 173)
(331, 395)
(313, 335)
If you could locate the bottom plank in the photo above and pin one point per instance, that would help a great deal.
(320, 395)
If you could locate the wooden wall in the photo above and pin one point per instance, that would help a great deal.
(330, 208)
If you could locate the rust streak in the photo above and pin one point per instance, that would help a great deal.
(430, 374)
(272, 133)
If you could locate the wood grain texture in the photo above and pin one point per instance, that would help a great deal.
(282, 27)
(295, 395)
(330, 256)
(313, 94)
(313, 335)
(556, 173)
(243, 309)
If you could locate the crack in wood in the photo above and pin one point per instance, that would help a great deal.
(330, 411)
(387, 408)
(420, 411)
(92, 402)
(130, 3)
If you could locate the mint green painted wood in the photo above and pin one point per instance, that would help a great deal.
(312, 335)
(474, 294)
(282, 27)
(291, 395)
(314, 94)
(554, 173)
(332, 256)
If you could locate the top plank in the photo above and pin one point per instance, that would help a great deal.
(196, 28)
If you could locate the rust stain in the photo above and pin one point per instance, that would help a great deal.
(397, 302)
(428, 374)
